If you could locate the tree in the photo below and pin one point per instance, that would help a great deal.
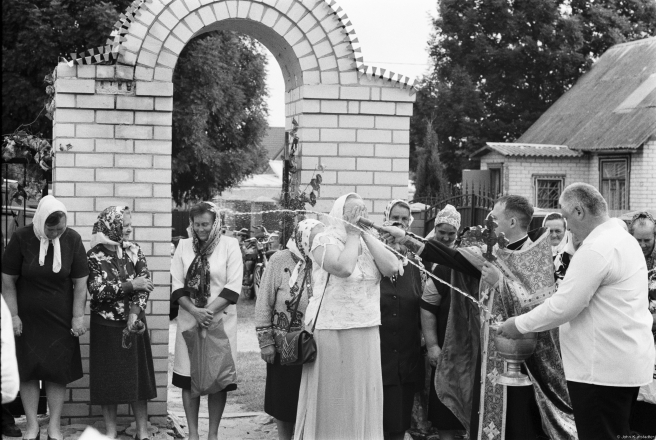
(500, 64)
(35, 34)
(219, 114)
(430, 178)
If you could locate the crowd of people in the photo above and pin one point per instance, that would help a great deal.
(371, 297)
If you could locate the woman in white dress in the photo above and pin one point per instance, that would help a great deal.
(341, 395)
(206, 273)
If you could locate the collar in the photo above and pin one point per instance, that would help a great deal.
(517, 243)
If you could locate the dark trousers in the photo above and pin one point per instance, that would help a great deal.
(601, 412)
(7, 417)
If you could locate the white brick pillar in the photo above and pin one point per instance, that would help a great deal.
(120, 130)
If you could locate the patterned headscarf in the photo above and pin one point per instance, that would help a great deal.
(47, 206)
(448, 215)
(108, 229)
(299, 245)
(392, 204)
(198, 274)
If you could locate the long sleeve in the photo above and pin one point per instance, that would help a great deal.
(266, 300)
(140, 297)
(436, 252)
(103, 286)
(582, 280)
(10, 380)
(235, 273)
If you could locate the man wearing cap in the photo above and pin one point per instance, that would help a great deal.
(520, 278)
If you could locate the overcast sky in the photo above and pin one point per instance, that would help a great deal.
(393, 35)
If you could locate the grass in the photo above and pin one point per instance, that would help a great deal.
(251, 369)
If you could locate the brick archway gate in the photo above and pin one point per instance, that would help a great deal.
(354, 119)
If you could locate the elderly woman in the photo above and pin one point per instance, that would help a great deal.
(286, 286)
(206, 275)
(44, 276)
(120, 358)
(341, 394)
(400, 334)
(435, 305)
(562, 246)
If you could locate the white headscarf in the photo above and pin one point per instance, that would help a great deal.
(334, 221)
(564, 245)
(47, 206)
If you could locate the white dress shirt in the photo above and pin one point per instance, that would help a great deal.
(600, 306)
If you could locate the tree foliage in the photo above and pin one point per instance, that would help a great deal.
(500, 64)
(430, 177)
(219, 114)
(35, 34)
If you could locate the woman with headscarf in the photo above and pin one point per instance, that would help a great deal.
(286, 285)
(400, 334)
(120, 358)
(562, 246)
(435, 305)
(341, 392)
(206, 274)
(44, 282)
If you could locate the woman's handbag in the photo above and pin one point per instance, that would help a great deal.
(299, 347)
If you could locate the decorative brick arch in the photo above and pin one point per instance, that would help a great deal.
(114, 104)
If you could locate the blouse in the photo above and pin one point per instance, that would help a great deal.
(109, 288)
(352, 302)
(275, 304)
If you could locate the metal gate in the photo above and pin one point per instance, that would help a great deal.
(473, 207)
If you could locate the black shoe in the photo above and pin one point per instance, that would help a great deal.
(11, 430)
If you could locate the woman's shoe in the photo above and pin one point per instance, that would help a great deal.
(145, 438)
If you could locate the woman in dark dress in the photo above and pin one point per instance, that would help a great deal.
(120, 357)
(435, 304)
(44, 275)
(400, 336)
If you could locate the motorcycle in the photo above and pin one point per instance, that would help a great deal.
(257, 250)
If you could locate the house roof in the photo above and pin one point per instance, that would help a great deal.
(611, 107)
(274, 142)
(523, 149)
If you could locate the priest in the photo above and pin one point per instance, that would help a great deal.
(519, 277)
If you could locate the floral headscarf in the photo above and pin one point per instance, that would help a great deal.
(108, 229)
(392, 204)
(299, 245)
(198, 274)
(47, 206)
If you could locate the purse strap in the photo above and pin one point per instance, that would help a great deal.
(289, 327)
(319, 308)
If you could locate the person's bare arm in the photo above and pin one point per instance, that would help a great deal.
(9, 294)
(386, 262)
(336, 262)
(79, 301)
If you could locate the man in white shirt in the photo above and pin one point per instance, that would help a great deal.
(605, 328)
(10, 380)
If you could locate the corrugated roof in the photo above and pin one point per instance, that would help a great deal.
(274, 142)
(524, 149)
(611, 107)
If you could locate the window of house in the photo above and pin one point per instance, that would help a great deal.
(614, 177)
(548, 190)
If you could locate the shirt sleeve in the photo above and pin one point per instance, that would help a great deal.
(140, 297)
(12, 259)
(436, 252)
(10, 380)
(177, 268)
(266, 300)
(80, 266)
(584, 276)
(234, 273)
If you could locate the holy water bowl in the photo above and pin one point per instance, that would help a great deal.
(514, 352)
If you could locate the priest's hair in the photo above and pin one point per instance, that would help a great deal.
(586, 196)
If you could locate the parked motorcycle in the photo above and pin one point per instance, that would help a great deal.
(257, 251)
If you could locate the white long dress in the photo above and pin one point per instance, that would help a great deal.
(226, 272)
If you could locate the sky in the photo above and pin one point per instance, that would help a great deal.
(393, 35)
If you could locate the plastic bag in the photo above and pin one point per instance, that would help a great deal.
(647, 393)
(212, 365)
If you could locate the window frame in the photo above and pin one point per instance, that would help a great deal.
(627, 179)
(549, 177)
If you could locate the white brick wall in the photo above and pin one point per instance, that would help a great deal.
(358, 128)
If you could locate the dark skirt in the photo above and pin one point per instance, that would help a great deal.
(397, 406)
(119, 375)
(46, 350)
(439, 415)
(282, 387)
